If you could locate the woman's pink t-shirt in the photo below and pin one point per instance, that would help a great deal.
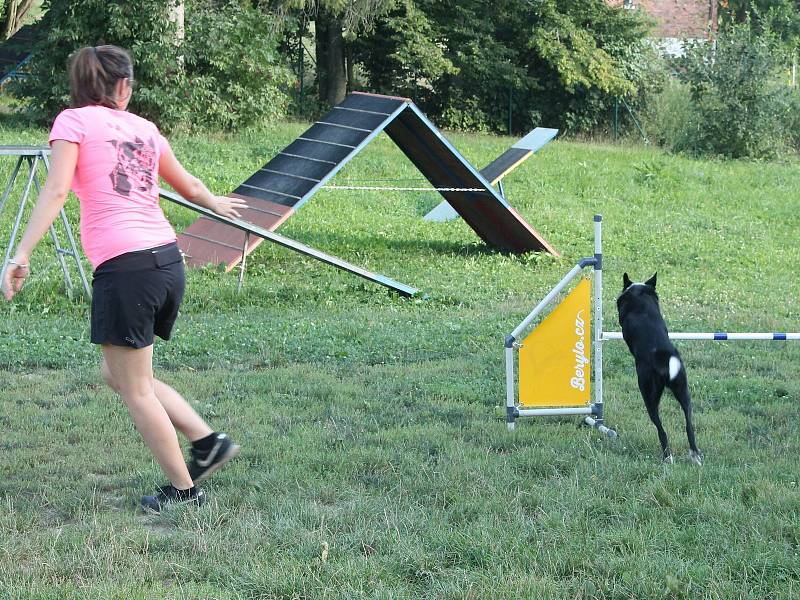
(116, 180)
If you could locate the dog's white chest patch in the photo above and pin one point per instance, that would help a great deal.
(674, 367)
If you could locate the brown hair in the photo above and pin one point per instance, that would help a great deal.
(94, 73)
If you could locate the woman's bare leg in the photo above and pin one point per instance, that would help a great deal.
(131, 371)
(183, 417)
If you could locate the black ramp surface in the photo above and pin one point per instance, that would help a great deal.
(335, 134)
(495, 223)
(292, 176)
(372, 103)
(303, 167)
(357, 119)
(503, 163)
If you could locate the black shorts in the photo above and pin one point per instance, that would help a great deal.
(136, 296)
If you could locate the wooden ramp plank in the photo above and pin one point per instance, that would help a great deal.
(490, 216)
(495, 171)
(395, 286)
(504, 164)
(208, 241)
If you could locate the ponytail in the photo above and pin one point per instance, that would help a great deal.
(93, 75)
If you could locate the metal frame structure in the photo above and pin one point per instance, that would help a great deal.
(593, 414)
(32, 156)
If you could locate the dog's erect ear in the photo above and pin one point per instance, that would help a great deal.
(626, 282)
(652, 281)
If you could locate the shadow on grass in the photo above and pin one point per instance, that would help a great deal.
(338, 241)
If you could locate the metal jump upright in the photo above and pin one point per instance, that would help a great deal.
(32, 156)
(592, 411)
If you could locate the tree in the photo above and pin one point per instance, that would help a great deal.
(230, 75)
(741, 107)
(13, 16)
(337, 23)
(402, 52)
(780, 17)
(561, 63)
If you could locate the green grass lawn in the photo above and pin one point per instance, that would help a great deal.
(373, 462)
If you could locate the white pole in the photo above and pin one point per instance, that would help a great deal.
(546, 300)
(597, 281)
(510, 400)
(718, 337)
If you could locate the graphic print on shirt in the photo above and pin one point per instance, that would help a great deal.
(136, 166)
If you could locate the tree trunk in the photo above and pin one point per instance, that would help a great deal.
(349, 67)
(176, 15)
(331, 76)
(15, 13)
(320, 35)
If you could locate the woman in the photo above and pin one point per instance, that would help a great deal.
(112, 159)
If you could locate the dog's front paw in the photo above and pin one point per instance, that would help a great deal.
(668, 460)
(696, 458)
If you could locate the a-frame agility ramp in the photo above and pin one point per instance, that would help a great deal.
(277, 190)
(501, 166)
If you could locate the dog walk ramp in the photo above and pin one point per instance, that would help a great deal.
(291, 178)
(240, 232)
(279, 188)
(495, 171)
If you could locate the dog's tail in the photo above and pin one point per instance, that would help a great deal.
(668, 365)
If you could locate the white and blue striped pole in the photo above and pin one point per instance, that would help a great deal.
(718, 336)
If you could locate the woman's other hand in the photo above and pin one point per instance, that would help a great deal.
(14, 276)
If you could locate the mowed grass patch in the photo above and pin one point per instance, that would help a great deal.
(368, 421)
(411, 490)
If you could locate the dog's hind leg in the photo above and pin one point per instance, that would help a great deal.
(651, 394)
(680, 388)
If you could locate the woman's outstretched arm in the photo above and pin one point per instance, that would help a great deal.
(194, 190)
(49, 203)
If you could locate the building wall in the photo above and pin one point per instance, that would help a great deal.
(677, 18)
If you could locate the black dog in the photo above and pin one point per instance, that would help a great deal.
(658, 363)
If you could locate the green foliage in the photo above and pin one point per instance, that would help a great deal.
(671, 119)
(143, 28)
(575, 53)
(741, 102)
(793, 119)
(225, 74)
(240, 78)
(780, 17)
(401, 52)
(557, 63)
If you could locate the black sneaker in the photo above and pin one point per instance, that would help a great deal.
(203, 464)
(168, 495)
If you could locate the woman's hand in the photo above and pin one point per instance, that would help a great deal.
(16, 271)
(227, 207)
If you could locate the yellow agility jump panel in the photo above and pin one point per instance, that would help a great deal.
(554, 367)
